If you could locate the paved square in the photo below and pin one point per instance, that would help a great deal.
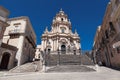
(102, 74)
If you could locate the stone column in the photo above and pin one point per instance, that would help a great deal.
(56, 45)
(45, 44)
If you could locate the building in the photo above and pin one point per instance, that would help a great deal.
(7, 52)
(115, 37)
(96, 45)
(20, 34)
(106, 43)
(37, 53)
(3, 24)
(60, 37)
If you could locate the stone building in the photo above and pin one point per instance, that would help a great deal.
(7, 52)
(38, 52)
(96, 45)
(3, 24)
(60, 37)
(101, 43)
(20, 34)
(115, 34)
(106, 43)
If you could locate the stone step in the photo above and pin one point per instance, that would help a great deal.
(70, 68)
(27, 67)
(68, 59)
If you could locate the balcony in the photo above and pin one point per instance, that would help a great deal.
(15, 31)
(115, 9)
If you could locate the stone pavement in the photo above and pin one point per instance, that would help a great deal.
(103, 73)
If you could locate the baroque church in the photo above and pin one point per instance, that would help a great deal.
(60, 37)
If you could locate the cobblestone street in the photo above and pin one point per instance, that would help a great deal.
(103, 73)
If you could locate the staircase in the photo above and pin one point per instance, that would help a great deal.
(85, 60)
(65, 59)
(70, 59)
(70, 68)
(27, 67)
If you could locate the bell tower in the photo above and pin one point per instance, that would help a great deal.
(61, 23)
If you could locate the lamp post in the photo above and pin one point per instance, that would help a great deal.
(58, 63)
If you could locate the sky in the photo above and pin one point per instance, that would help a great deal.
(85, 15)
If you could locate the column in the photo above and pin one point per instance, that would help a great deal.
(45, 44)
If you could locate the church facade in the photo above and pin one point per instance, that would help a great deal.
(61, 36)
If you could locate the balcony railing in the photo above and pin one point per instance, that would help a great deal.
(15, 31)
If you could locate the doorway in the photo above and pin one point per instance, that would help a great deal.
(5, 61)
(63, 49)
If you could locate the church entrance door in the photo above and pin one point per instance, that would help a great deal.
(63, 49)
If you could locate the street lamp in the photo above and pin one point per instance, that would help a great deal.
(58, 63)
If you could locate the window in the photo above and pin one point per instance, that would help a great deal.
(63, 31)
(74, 52)
(17, 24)
(111, 26)
(62, 19)
(14, 36)
(106, 34)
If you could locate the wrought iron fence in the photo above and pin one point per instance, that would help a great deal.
(81, 57)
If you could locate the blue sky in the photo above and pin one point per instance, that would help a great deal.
(85, 15)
